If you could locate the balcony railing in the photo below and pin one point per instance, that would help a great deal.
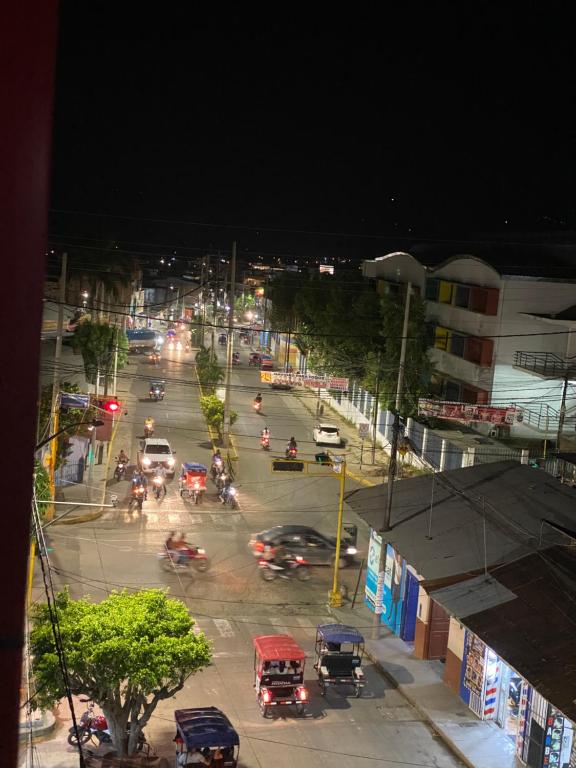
(545, 364)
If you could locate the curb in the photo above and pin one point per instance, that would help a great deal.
(47, 726)
(80, 518)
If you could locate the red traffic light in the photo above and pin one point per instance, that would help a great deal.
(112, 406)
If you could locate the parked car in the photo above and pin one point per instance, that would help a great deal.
(154, 451)
(314, 547)
(327, 434)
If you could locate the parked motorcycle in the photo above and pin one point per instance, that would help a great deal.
(94, 728)
(229, 495)
(293, 566)
(195, 558)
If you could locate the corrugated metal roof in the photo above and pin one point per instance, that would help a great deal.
(472, 596)
(502, 502)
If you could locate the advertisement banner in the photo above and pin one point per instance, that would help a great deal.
(393, 589)
(371, 588)
(557, 740)
(298, 379)
(443, 409)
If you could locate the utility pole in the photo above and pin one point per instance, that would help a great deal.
(93, 443)
(376, 405)
(403, 347)
(562, 414)
(55, 407)
(229, 348)
(393, 449)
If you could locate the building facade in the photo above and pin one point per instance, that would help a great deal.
(496, 338)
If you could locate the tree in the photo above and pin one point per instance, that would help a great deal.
(213, 411)
(125, 653)
(97, 343)
(41, 486)
(209, 371)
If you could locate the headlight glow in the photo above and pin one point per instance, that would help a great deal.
(351, 551)
(171, 461)
(146, 461)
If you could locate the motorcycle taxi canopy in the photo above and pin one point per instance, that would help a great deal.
(339, 634)
(278, 648)
(205, 727)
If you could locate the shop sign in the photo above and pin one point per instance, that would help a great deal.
(372, 587)
(298, 379)
(557, 740)
(393, 592)
(443, 409)
(472, 681)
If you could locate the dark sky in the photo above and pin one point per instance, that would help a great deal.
(442, 123)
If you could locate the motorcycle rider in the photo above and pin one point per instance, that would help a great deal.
(140, 479)
(265, 436)
(226, 484)
(122, 458)
(292, 446)
(160, 471)
(149, 425)
(258, 401)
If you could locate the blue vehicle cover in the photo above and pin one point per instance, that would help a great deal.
(190, 466)
(141, 334)
(205, 727)
(339, 633)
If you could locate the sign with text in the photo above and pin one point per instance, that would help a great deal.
(373, 590)
(303, 380)
(363, 429)
(443, 409)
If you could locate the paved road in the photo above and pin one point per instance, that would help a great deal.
(231, 603)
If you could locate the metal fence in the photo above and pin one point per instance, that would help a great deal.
(69, 473)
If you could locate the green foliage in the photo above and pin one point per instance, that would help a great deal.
(213, 412)
(97, 343)
(347, 330)
(41, 486)
(68, 419)
(126, 653)
(209, 371)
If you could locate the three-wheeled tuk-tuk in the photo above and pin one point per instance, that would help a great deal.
(157, 390)
(192, 481)
(206, 730)
(338, 658)
(279, 673)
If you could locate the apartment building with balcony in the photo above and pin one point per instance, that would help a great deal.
(497, 336)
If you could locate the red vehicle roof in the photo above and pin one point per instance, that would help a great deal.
(278, 648)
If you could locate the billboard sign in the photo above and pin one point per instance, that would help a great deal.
(74, 400)
(371, 587)
(303, 380)
(443, 409)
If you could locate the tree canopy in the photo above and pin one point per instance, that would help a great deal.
(97, 343)
(347, 329)
(126, 653)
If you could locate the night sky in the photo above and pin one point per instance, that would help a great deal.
(453, 122)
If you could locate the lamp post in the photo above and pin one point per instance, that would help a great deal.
(335, 596)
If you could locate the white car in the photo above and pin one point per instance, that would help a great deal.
(327, 434)
(154, 451)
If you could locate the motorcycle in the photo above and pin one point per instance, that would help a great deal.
(229, 495)
(216, 468)
(294, 566)
(265, 442)
(235, 358)
(138, 494)
(94, 728)
(120, 470)
(291, 452)
(148, 430)
(159, 486)
(156, 393)
(257, 405)
(195, 558)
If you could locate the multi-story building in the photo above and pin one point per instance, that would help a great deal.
(497, 336)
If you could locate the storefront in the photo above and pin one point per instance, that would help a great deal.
(393, 593)
(543, 737)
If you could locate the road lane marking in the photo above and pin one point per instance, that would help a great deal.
(224, 627)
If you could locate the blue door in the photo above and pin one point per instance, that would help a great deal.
(408, 628)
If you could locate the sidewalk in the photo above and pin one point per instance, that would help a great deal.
(478, 743)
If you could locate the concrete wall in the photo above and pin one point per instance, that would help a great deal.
(422, 628)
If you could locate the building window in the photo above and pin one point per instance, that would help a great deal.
(457, 344)
(432, 289)
(441, 337)
(462, 297)
(445, 293)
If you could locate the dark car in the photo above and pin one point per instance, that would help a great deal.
(314, 547)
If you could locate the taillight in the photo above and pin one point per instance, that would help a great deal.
(266, 696)
(259, 546)
(302, 693)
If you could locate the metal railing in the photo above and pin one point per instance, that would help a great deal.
(545, 364)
